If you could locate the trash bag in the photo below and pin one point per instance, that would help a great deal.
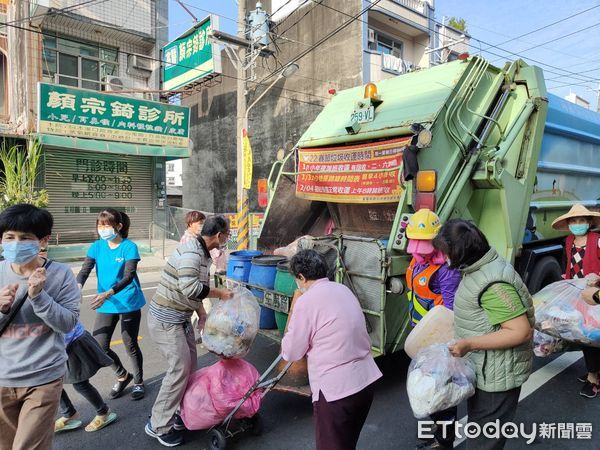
(437, 380)
(212, 393)
(545, 345)
(291, 249)
(231, 325)
(562, 313)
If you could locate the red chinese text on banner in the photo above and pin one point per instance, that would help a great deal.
(367, 173)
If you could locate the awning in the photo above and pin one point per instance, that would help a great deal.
(120, 148)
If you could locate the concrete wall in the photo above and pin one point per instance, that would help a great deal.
(209, 176)
(132, 15)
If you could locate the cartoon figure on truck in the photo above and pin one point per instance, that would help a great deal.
(465, 140)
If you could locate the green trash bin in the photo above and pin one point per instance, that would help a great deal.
(285, 284)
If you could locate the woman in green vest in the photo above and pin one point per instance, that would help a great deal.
(493, 320)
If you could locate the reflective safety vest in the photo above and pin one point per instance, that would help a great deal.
(420, 297)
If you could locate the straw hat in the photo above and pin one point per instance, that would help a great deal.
(577, 210)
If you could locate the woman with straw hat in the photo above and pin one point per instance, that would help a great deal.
(582, 249)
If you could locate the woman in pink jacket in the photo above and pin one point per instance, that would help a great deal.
(328, 326)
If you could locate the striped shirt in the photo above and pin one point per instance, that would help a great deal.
(185, 279)
(169, 315)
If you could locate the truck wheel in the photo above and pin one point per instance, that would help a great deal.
(547, 270)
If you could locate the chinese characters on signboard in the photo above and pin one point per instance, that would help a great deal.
(69, 111)
(357, 174)
(190, 57)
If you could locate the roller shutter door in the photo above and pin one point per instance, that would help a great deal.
(81, 184)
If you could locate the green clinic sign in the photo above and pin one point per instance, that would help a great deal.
(68, 111)
(190, 57)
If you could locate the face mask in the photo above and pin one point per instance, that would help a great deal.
(107, 234)
(579, 229)
(20, 252)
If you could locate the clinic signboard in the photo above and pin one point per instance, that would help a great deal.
(68, 111)
(191, 56)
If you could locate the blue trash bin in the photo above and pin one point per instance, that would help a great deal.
(239, 264)
(262, 273)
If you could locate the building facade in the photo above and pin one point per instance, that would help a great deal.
(84, 81)
(389, 39)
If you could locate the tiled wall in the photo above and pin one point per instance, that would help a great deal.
(136, 15)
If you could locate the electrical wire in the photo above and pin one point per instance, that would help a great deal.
(548, 25)
(567, 73)
(323, 39)
(194, 68)
(59, 11)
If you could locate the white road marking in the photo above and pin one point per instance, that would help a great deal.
(538, 379)
(143, 289)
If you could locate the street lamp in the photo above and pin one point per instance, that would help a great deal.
(242, 194)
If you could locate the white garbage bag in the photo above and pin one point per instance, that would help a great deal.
(437, 380)
(232, 325)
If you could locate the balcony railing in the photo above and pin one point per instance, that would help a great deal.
(415, 5)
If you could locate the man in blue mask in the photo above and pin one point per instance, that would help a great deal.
(39, 301)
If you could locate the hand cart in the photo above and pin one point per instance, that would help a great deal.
(218, 435)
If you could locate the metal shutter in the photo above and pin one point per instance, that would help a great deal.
(81, 184)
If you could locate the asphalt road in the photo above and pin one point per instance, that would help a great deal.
(552, 397)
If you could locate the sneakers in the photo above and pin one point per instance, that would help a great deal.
(138, 392)
(582, 378)
(178, 425)
(171, 439)
(589, 390)
(120, 386)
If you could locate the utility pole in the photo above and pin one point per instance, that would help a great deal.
(598, 96)
(19, 67)
(241, 124)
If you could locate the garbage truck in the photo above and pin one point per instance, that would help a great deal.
(465, 139)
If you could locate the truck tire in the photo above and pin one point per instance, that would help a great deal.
(547, 270)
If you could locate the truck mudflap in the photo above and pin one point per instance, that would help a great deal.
(361, 264)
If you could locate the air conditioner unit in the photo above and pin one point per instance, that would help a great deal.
(140, 63)
(371, 35)
(116, 84)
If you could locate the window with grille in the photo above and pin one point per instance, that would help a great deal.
(77, 64)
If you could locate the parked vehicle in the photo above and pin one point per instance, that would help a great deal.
(465, 139)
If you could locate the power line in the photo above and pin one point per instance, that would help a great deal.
(560, 37)
(548, 25)
(323, 39)
(317, 3)
(585, 71)
(56, 11)
(567, 73)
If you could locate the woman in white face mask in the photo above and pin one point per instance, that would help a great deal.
(120, 296)
(582, 260)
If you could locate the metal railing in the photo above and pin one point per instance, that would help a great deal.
(415, 5)
(164, 233)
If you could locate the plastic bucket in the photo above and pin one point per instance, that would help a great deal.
(286, 284)
(262, 273)
(239, 264)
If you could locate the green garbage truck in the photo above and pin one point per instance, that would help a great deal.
(465, 139)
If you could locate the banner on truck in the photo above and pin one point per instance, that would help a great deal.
(367, 173)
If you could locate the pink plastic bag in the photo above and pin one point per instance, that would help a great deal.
(214, 391)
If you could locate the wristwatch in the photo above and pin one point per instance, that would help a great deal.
(596, 297)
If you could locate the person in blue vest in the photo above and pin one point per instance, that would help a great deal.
(120, 297)
(430, 283)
